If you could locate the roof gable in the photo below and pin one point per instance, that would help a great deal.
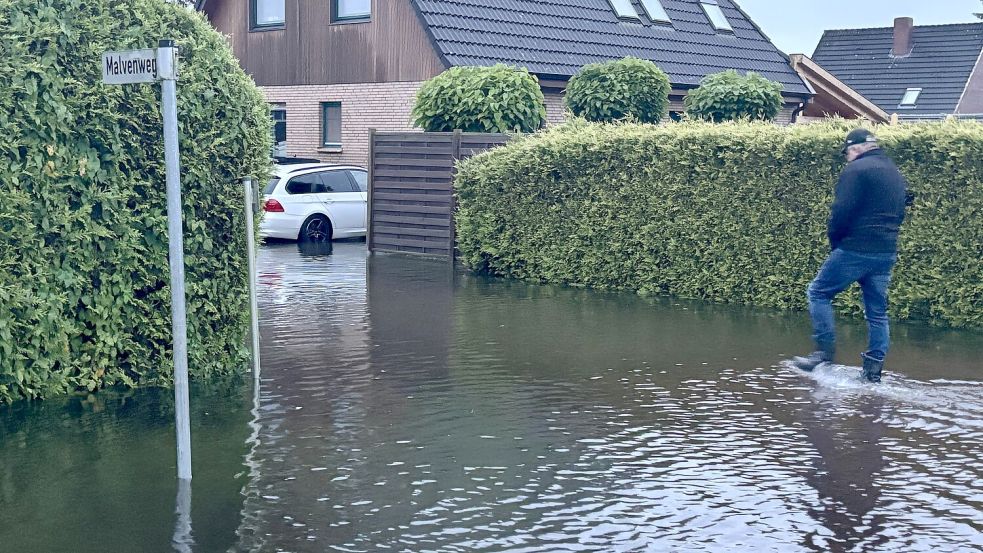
(940, 64)
(557, 37)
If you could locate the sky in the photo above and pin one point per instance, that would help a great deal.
(796, 26)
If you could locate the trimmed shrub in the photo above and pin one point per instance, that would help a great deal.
(734, 212)
(494, 99)
(626, 89)
(729, 96)
(83, 227)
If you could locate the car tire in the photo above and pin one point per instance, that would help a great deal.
(317, 228)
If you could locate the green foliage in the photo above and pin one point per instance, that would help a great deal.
(626, 89)
(734, 212)
(494, 99)
(83, 228)
(729, 96)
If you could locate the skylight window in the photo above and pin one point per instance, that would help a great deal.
(624, 9)
(910, 97)
(716, 15)
(655, 11)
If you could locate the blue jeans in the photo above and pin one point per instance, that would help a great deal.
(841, 269)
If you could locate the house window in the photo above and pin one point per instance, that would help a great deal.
(624, 9)
(910, 97)
(331, 124)
(716, 15)
(351, 10)
(278, 112)
(655, 11)
(268, 13)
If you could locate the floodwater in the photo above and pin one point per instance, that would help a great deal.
(403, 407)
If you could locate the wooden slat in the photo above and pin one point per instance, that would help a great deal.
(437, 222)
(382, 185)
(410, 231)
(446, 173)
(415, 150)
(391, 208)
(414, 197)
(390, 241)
(404, 164)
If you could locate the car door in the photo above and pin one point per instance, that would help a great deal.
(361, 179)
(342, 200)
(301, 198)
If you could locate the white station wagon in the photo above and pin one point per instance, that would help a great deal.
(315, 202)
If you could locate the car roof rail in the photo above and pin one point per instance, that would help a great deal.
(282, 160)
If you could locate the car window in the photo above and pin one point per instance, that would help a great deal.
(336, 181)
(271, 186)
(304, 184)
(361, 180)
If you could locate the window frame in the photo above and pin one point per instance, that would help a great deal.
(661, 17)
(711, 8)
(914, 102)
(344, 19)
(324, 126)
(624, 4)
(256, 26)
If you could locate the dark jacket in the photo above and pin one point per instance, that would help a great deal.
(869, 206)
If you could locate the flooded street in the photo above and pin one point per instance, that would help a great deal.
(403, 407)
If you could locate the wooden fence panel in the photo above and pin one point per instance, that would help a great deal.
(411, 188)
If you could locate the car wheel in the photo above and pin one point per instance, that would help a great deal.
(317, 228)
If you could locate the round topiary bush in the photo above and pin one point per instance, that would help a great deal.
(481, 99)
(729, 96)
(629, 88)
(83, 227)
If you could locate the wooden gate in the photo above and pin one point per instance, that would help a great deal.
(411, 188)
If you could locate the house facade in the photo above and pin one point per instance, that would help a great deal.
(333, 69)
(917, 72)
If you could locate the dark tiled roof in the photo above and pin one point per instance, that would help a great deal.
(940, 64)
(558, 37)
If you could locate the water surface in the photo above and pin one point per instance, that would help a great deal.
(403, 407)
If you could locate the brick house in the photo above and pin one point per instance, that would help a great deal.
(917, 72)
(333, 69)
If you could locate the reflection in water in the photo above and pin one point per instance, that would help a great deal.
(183, 541)
(412, 409)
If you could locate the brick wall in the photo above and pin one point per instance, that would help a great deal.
(556, 110)
(382, 106)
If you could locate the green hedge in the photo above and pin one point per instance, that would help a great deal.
(83, 231)
(730, 96)
(496, 99)
(619, 90)
(734, 212)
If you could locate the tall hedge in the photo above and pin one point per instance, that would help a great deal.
(734, 212)
(84, 292)
(629, 88)
(496, 99)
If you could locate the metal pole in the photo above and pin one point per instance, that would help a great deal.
(167, 72)
(251, 256)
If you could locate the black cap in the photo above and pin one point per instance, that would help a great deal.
(858, 136)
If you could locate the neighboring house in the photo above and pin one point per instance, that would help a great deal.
(926, 72)
(333, 69)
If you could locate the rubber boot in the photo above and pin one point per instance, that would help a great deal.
(824, 354)
(872, 368)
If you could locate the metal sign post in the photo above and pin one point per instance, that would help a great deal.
(251, 247)
(145, 66)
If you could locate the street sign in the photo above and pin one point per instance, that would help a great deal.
(148, 66)
(129, 66)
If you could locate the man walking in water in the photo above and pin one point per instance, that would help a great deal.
(863, 234)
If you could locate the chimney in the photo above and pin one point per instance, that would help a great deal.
(903, 42)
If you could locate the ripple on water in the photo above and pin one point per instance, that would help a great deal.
(413, 410)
